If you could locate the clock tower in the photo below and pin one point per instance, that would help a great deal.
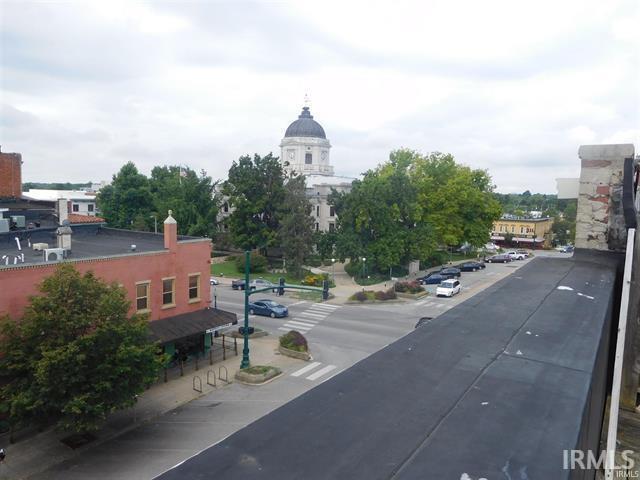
(305, 148)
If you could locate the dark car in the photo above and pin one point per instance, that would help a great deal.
(450, 272)
(500, 258)
(268, 308)
(237, 284)
(471, 266)
(432, 279)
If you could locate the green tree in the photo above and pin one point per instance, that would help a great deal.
(190, 196)
(296, 226)
(325, 244)
(255, 189)
(76, 355)
(127, 197)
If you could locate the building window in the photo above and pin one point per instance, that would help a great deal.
(168, 292)
(513, 229)
(521, 229)
(194, 287)
(90, 207)
(75, 207)
(317, 226)
(307, 158)
(142, 296)
(317, 210)
(332, 211)
(225, 207)
(332, 227)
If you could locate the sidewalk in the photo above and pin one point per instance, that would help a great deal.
(35, 454)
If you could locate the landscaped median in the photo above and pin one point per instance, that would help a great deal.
(257, 374)
(293, 344)
(410, 290)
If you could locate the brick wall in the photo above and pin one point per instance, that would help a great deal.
(600, 221)
(10, 175)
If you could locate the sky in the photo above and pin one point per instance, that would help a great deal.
(511, 87)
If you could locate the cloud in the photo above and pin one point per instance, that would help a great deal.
(506, 87)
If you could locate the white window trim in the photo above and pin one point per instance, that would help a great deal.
(173, 304)
(148, 309)
(199, 297)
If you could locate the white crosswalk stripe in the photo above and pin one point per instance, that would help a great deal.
(314, 314)
(297, 327)
(321, 372)
(326, 306)
(302, 324)
(306, 369)
(305, 319)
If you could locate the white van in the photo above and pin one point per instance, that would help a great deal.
(449, 288)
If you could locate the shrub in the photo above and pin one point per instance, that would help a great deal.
(380, 295)
(316, 279)
(389, 294)
(258, 263)
(360, 296)
(294, 340)
(408, 287)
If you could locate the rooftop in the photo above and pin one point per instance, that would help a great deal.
(87, 241)
(453, 398)
(305, 126)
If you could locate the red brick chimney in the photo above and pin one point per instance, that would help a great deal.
(10, 175)
(170, 233)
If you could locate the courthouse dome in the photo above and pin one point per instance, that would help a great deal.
(305, 126)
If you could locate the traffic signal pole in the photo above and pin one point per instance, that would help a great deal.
(247, 288)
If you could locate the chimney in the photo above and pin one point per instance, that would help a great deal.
(64, 235)
(170, 232)
(10, 175)
(62, 207)
(600, 222)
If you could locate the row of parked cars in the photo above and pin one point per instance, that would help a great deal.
(508, 256)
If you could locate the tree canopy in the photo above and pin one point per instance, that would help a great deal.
(133, 200)
(296, 225)
(410, 205)
(76, 355)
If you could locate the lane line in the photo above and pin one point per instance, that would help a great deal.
(321, 372)
(302, 324)
(318, 315)
(304, 370)
(301, 318)
(325, 305)
(297, 327)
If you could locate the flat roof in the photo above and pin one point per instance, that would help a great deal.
(496, 387)
(87, 241)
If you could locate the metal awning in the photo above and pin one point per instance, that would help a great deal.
(201, 321)
(496, 237)
(527, 240)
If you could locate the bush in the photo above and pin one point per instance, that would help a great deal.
(294, 340)
(316, 279)
(389, 294)
(409, 287)
(360, 296)
(258, 263)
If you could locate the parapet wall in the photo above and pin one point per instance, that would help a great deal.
(600, 223)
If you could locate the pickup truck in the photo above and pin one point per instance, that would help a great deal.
(237, 284)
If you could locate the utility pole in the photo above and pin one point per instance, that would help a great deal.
(245, 350)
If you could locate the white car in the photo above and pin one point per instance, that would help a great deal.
(213, 281)
(516, 256)
(448, 288)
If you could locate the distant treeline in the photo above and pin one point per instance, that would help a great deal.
(522, 203)
(54, 186)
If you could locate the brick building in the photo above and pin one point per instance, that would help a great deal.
(10, 175)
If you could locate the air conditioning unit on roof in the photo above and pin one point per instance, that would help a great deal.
(53, 254)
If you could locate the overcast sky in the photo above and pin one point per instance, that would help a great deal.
(512, 87)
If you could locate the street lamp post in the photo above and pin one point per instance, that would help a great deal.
(333, 269)
(245, 350)
(364, 268)
(155, 223)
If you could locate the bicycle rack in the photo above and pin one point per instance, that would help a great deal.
(209, 372)
(199, 388)
(226, 374)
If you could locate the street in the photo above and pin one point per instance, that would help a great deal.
(339, 336)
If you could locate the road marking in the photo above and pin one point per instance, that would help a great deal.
(303, 370)
(321, 372)
(297, 327)
(316, 315)
(302, 317)
(325, 305)
(302, 324)
(285, 329)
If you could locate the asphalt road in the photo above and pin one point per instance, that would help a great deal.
(339, 336)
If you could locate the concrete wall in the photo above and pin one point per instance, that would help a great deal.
(10, 175)
(188, 257)
(600, 221)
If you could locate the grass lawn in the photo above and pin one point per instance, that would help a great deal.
(228, 269)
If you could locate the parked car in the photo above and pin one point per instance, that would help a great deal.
(432, 279)
(450, 272)
(500, 258)
(262, 283)
(268, 308)
(448, 288)
(213, 281)
(237, 284)
(515, 255)
(524, 252)
(471, 266)
(567, 249)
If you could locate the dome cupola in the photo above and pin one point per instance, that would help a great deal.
(305, 126)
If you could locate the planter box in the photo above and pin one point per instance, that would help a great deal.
(294, 354)
(257, 379)
(255, 334)
(412, 296)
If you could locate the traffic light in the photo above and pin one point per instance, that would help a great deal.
(281, 287)
(325, 290)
